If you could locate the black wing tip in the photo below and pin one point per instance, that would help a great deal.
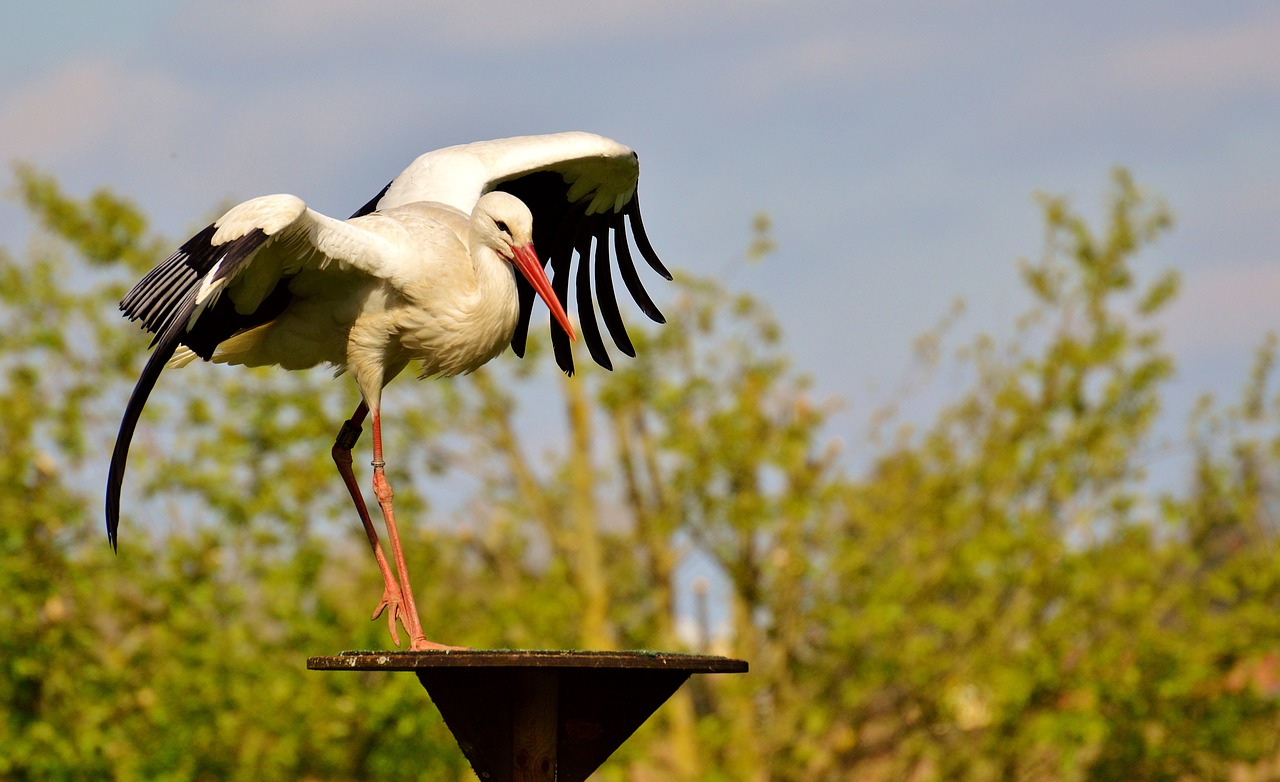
(113, 513)
(627, 267)
(642, 239)
(564, 228)
(606, 298)
(586, 310)
(168, 343)
(166, 290)
(563, 352)
(114, 479)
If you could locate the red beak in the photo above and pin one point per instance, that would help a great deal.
(526, 260)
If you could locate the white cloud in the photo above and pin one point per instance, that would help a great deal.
(86, 105)
(178, 145)
(1204, 60)
(311, 25)
(1178, 73)
(844, 56)
(1163, 76)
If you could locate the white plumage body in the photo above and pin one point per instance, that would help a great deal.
(438, 301)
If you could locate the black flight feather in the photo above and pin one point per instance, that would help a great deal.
(372, 206)
(561, 265)
(642, 239)
(586, 310)
(164, 301)
(604, 288)
(166, 344)
(546, 194)
(632, 280)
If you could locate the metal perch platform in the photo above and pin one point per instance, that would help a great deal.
(539, 715)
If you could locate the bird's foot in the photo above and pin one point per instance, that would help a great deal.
(393, 604)
(392, 600)
(421, 644)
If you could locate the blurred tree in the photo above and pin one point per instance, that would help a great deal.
(1009, 601)
(181, 658)
(1000, 595)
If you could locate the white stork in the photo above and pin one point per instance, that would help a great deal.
(426, 271)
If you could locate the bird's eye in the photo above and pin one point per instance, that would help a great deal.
(502, 227)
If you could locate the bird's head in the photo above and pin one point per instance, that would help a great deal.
(503, 223)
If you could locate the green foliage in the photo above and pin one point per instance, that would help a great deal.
(1000, 594)
(104, 228)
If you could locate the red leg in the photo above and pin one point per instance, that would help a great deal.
(382, 489)
(391, 596)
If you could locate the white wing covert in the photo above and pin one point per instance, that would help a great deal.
(581, 189)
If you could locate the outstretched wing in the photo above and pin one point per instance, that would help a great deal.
(231, 276)
(581, 189)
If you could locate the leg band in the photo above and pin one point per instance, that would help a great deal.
(348, 435)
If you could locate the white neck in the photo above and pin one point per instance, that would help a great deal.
(496, 284)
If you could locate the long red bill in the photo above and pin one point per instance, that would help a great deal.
(526, 260)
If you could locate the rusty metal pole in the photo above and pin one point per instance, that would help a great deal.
(534, 733)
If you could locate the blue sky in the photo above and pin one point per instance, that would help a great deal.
(895, 145)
